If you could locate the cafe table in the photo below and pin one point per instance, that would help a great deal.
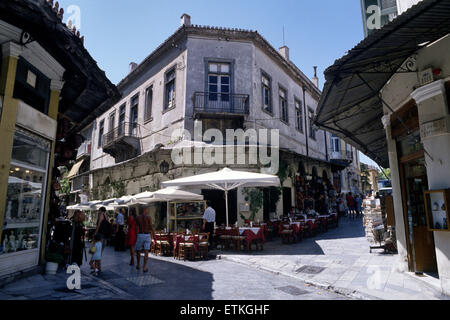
(252, 234)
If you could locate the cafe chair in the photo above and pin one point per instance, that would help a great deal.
(286, 234)
(162, 244)
(203, 246)
(225, 241)
(237, 239)
(176, 249)
(187, 249)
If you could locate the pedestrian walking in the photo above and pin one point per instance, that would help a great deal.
(144, 238)
(119, 228)
(104, 227)
(209, 219)
(96, 251)
(351, 205)
(77, 239)
(131, 234)
(358, 202)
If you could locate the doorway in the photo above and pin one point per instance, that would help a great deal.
(217, 198)
(287, 200)
(421, 252)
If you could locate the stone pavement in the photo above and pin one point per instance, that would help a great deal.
(339, 260)
(167, 279)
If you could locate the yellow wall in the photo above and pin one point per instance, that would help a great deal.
(7, 127)
(52, 113)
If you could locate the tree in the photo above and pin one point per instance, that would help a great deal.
(387, 172)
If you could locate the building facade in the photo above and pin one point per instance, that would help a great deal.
(205, 78)
(37, 80)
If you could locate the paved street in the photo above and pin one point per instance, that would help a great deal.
(168, 280)
(332, 265)
(340, 261)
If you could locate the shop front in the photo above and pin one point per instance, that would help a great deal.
(25, 202)
(421, 249)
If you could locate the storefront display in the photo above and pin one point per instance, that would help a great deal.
(26, 193)
(437, 209)
(186, 215)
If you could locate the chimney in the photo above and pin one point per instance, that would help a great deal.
(284, 51)
(186, 20)
(133, 66)
(315, 79)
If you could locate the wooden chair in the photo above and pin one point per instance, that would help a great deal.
(187, 248)
(237, 239)
(286, 234)
(225, 241)
(203, 245)
(162, 244)
(176, 249)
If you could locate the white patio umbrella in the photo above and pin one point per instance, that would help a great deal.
(82, 207)
(167, 195)
(226, 180)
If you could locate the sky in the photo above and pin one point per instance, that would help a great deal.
(119, 32)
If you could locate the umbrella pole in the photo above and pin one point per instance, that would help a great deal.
(167, 214)
(226, 206)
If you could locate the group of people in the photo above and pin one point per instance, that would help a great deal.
(349, 205)
(138, 238)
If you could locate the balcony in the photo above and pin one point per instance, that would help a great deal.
(220, 105)
(122, 143)
(345, 158)
(84, 150)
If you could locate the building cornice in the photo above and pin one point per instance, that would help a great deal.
(11, 49)
(429, 91)
(225, 34)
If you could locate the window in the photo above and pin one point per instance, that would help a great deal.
(335, 143)
(134, 115)
(122, 111)
(299, 115)
(25, 196)
(312, 131)
(266, 93)
(219, 85)
(101, 131)
(284, 106)
(148, 103)
(170, 90)
(112, 120)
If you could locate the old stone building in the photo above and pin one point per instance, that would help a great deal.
(206, 78)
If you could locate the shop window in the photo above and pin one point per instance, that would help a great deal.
(25, 198)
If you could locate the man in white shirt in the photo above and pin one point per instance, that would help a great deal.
(209, 218)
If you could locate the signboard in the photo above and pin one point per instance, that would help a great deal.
(433, 128)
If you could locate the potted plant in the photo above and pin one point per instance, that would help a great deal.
(53, 261)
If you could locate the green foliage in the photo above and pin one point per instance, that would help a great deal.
(65, 186)
(381, 176)
(255, 197)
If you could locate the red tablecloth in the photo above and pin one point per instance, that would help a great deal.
(251, 236)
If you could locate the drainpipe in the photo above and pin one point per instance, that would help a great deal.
(326, 144)
(306, 121)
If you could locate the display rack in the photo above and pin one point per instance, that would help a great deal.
(185, 212)
(436, 205)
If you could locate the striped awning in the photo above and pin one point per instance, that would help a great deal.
(75, 169)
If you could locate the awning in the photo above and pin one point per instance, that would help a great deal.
(74, 171)
(350, 106)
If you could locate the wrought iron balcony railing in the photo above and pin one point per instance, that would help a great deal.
(209, 102)
(341, 155)
(124, 130)
(84, 150)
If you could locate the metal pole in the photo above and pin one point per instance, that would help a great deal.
(226, 205)
(167, 213)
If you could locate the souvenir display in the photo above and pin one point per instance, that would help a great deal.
(436, 205)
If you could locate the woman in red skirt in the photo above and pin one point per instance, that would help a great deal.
(131, 235)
